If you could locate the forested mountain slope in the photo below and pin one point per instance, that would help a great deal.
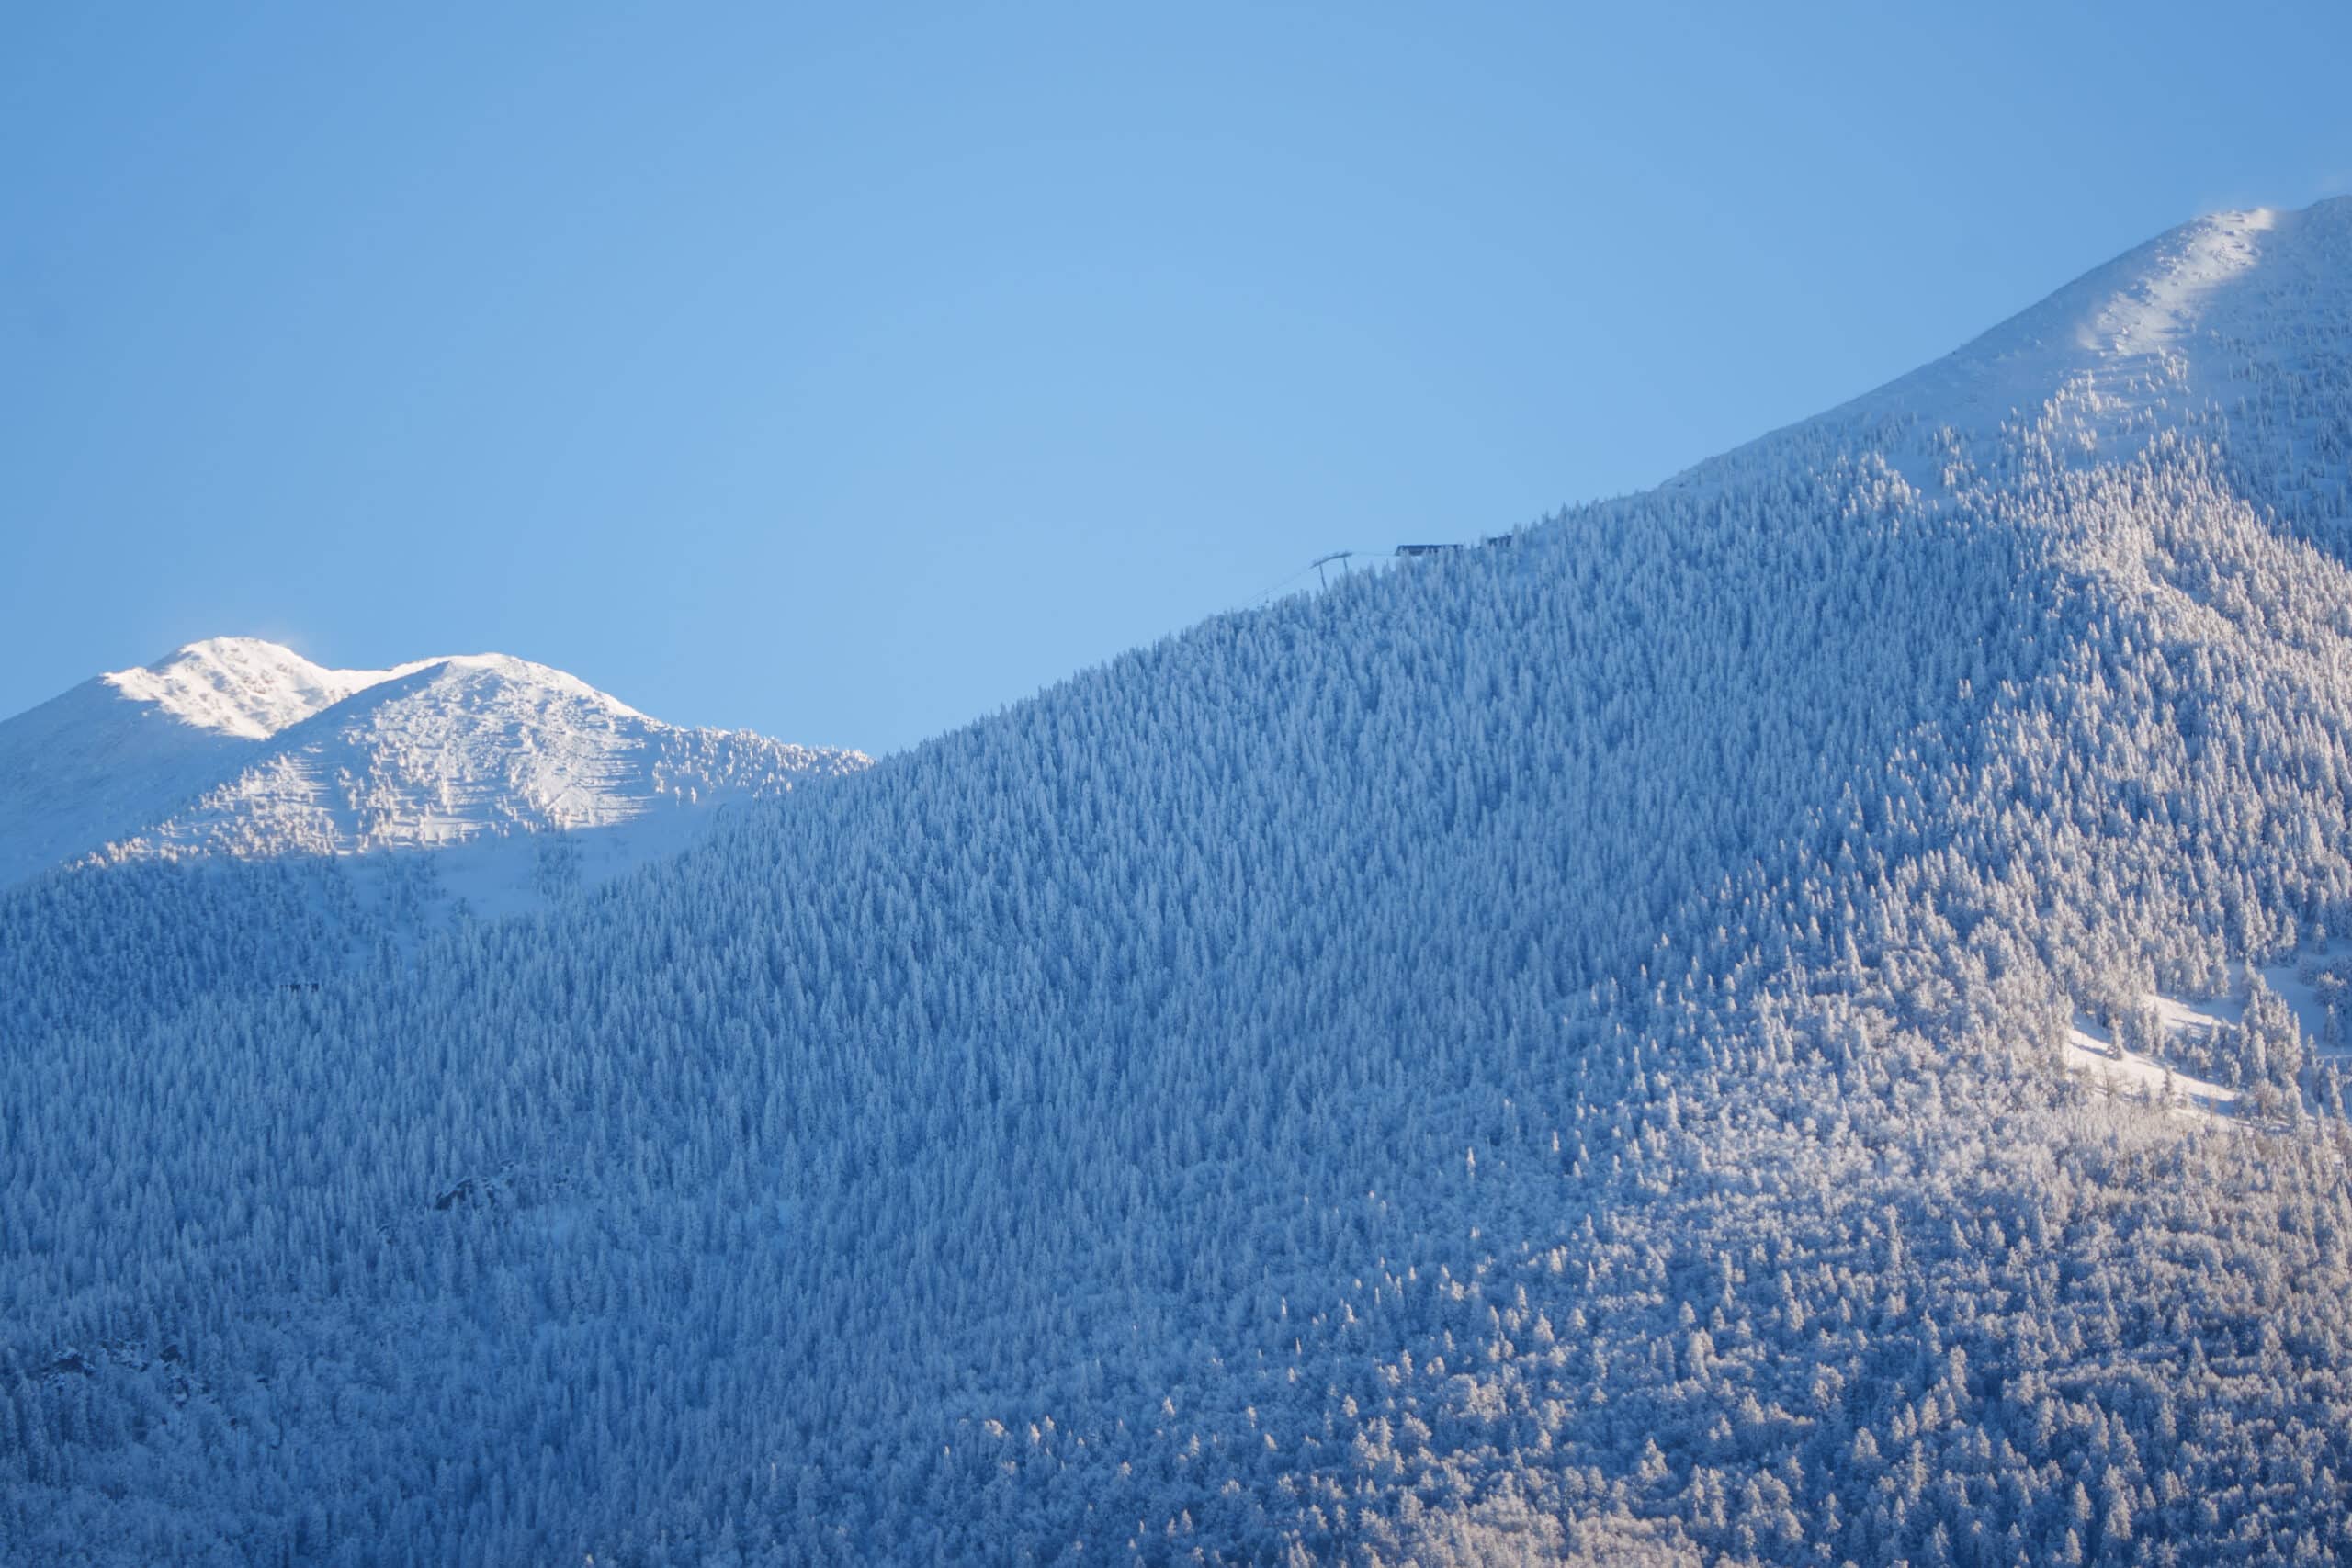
(239, 747)
(1553, 1052)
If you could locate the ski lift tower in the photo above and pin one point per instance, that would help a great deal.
(1319, 562)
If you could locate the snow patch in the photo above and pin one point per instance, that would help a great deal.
(2091, 1051)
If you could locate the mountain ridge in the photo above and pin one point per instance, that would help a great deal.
(240, 747)
(242, 685)
(1569, 1053)
(2181, 333)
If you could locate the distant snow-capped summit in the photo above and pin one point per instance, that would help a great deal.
(2228, 329)
(242, 685)
(234, 746)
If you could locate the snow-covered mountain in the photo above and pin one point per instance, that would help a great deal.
(2230, 327)
(237, 747)
(1745, 1025)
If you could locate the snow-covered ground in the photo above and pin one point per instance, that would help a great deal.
(2188, 1026)
(242, 685)
(2091, 1051)
(241, 747)
(2126, 328)
(2298, 985)
(2194, 331)
(1446, 1040)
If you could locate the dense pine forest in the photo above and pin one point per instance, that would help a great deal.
(1552, 1052)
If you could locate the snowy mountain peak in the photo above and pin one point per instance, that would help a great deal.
(240, 747)
(2189, 265)
(240, 685)
(2134, 322)
(250, 688)
(2226, 332)
(1554, 1052)
(483, 674)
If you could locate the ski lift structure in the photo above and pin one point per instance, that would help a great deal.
(1409, 551)
(1488, 543)
(1321, 565)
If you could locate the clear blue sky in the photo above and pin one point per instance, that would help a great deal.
(847, 372)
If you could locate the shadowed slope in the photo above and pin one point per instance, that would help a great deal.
(1555, 1051)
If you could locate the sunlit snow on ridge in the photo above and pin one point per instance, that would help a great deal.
(241, 747)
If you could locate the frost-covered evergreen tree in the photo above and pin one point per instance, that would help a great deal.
(1556, 1053)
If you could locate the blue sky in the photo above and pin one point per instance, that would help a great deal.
(846, 373)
